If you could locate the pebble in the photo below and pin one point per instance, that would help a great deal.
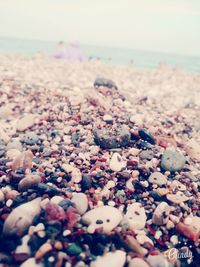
(157, 178)
(193, 149)
(3, 135)
(189, 231)
(75, 172)
(81, 202)
(177, 185)
(112, 138)
(21, 217)
(14, 144)
(146, 154)
(138, 262)
(161, 214)
(57, 199)
(108, 118)
(172, 161)
(31, 262)
(26, 122)
(129, 185)
(193, 222)
(30, 139)
(146, 136)
(73, 249)
(177, 198)
(104, 82)
(157, 261)
(24, 247)
(135, 216)
(44, 249)
(117, 163)
(23, 160)
(86, 182)
(105, 217)
(2, 198)
(12, 153)
(110, 259)
(28, 182)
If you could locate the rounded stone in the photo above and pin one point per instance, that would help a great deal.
(161, 214)
(110, 259)
(26, 122)
(28, 182)
(157, 178)
(136, 216)
(138, 262)
(86, 182)
(81, 202)
(105, 217)
(117, 163)
(172, 161)
(73, 249)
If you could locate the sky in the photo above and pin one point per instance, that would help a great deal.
(171, 26)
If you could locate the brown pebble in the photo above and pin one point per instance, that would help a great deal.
(28, 182)
(24, 160)
(45, 248)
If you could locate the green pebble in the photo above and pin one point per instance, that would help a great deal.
(172, 161)
(74, 250)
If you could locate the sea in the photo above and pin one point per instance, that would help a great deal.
(111, 55)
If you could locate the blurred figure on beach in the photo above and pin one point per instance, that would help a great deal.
(74, 52)
(60, 51)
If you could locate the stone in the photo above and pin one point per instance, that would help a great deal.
(193, 149)
(129, 185)
(138, 262)
(57, 199)
(21, 217)
(23, 160)
(177, 185)
(161, 214)
(157, 261)
(192, 232)
(86, 182)
(135, 216)
(26, 122)
(117, 163)
(44, 249)
(146, 136)
(73, 249)
(172, 161)
(114, 137)
(14, 144)
(105, 83)
(29, 182)
(108, 119)
(157, 178)
(24, 247)
(193, 222)
(105, 217)
(110, 259)
(30, 139)
(81, 202)
(177, 198)
(3, 135)
(146, 154)
(12, 153)
(2, 198)
(76, 175)
(31, 262)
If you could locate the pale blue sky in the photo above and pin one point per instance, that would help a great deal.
(158, 25)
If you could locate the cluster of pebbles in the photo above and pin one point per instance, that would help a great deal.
(91, 177)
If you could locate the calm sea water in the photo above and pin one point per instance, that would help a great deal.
(143, 59)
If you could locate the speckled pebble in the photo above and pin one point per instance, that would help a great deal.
(157, 178)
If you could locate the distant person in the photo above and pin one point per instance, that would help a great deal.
(60, 52)
(74, 52)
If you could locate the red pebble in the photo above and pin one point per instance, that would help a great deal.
(188, 231)
(54, 212)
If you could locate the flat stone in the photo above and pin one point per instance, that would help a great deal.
(157, 178)
(172, 161)
(117, 163)
(12, 153)
(114, 137)
(146, 136)
(178, 185)
(161, 214)
(30, 139)
(193, 150)
(26, 122)
(177, 198)
(14, 144)
(146, 154)
(28, 182)
(136, 216)
(105, 83)
(81, 202)
(110, 259)
(31, 262)
(23, 160)
(105, 217)
(157, 261)
(21, 217)
(138, 262)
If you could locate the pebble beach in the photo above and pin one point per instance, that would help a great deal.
(99, 164)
